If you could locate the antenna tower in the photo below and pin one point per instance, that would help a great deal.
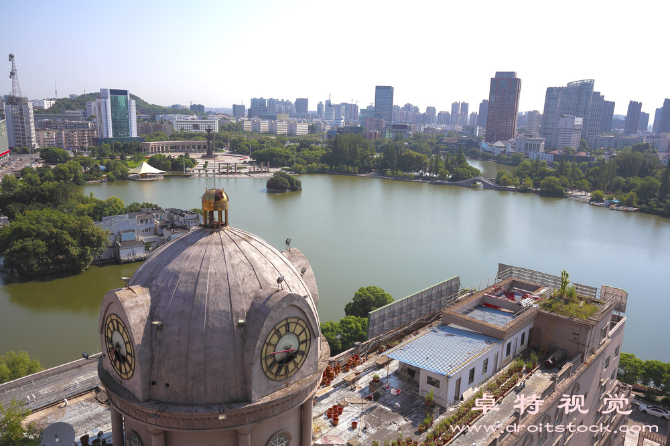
(14, 76)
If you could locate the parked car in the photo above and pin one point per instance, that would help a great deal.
(657, 411)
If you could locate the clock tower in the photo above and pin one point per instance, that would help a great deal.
(215, 340)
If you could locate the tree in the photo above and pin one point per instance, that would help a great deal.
(311, 128)
(12, 431)
(343, 335)
(516, 158)
(648, 188)
(552, 186)
(598, 196)
(367, 299)
(630, 199)
(664, 188)
(14, 365)
(630, 368)
(9, 183)
(54, 155)
(62, 173)
(283, 181)
(40, 240)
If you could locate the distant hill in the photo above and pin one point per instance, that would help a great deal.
(79, 103)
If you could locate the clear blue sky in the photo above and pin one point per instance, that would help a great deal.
(434, 53)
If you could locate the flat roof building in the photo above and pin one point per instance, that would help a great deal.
(116, 116)
(383, 103)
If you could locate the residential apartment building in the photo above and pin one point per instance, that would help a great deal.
(606, 117)
(383, 103)
(575, 99)
(483, 113)
(66, 138)
(473, 120)
(644, 122)
(657, 120)
(444, 117)
(259, 126)
(20, 123)
(116, 114)
(4, 140)
(504, 93)
(239, 111)
(278, 127)
(533, 121)
(147, 128)
(616, 142)
(632, 123)
(297, 128)
(664, 125)
(569, 131)
(302, 105)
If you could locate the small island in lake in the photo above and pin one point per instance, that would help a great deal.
(283, 182)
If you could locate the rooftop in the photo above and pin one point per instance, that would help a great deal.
(443, 349)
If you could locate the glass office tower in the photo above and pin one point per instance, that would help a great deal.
(384, 103)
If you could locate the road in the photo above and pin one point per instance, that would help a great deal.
(16, 162)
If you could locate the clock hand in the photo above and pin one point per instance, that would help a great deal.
(283, 351)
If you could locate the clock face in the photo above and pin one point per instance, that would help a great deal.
(286, 348)
(119, 346)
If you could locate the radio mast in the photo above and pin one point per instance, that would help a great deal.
(14, 76)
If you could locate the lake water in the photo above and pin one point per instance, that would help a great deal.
(400, 236)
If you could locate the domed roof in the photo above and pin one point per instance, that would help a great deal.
(213, 293)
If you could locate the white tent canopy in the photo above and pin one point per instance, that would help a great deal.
(145, 168)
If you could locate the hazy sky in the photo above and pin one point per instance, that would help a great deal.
(217, 53)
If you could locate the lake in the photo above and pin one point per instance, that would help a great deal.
(401, 236)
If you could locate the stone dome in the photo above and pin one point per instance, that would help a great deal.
(210, 299)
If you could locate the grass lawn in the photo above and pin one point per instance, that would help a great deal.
(132, 164)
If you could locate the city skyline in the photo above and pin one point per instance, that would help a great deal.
(153, 69)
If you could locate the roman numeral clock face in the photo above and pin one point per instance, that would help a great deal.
(285, 348)
(120, 351)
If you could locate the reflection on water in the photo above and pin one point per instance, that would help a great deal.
(401, 236)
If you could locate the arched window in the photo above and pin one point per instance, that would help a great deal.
(134, 439)
(528, 441)
(280, 439)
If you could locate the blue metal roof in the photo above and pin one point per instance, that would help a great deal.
(491, 315)
(443, 350)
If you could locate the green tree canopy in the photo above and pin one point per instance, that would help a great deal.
(12, 431)
(14, 365)
(54, 155)
(367, 299)
(343, 335)
(283, 181)
(38, 240)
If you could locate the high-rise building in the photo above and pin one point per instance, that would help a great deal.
(632, 123)
(483, 113)
(432, 114)
(455, 108)
(319, 109)
(606, 117)
(198, 108)
(657, 120)
(503, 106)
(117, 117)
(272, 105)
(595, 116)
(239, 111)
(664, 126)
(20, 122)
(569, 131)
(644, 122)
(4, 140)
(465, 109)
(258, 107)
(533, 121)
(575, 99)
(473, 119)
(301, 105)
(520, 120)
(384, 103)
(329, 111)
(444, 117)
